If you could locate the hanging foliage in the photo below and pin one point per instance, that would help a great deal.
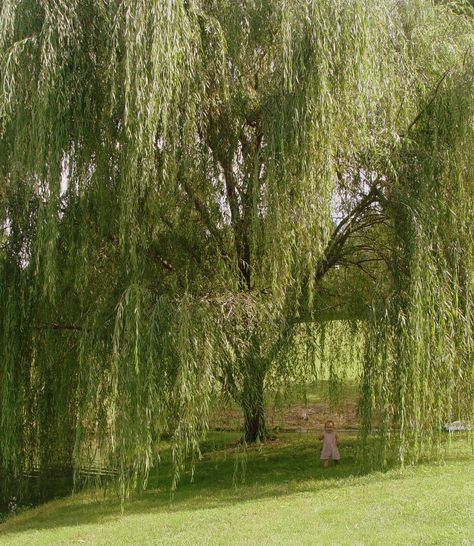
(183, 181)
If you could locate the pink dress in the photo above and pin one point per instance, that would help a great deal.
(330, 450)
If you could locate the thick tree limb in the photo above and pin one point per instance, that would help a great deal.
(205, 218)
(341, 233)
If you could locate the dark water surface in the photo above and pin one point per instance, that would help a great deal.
(37, 487)
(34, 488)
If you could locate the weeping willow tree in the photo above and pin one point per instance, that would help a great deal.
(184, 181)
(423, 375)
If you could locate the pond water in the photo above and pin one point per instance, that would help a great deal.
(37, 486)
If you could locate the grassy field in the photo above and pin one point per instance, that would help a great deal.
(276, 494)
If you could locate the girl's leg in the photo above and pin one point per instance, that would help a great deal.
(326, 463)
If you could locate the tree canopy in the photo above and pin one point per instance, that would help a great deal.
(184, 181)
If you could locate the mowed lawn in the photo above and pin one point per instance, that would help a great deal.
(277, 494)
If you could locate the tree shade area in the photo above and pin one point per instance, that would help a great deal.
(287, 498)
(201, 196)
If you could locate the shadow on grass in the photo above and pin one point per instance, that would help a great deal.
(225, 476)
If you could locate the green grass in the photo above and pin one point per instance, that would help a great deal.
(284, 496)
(319, 392)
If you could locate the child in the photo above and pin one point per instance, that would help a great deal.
(330, 440)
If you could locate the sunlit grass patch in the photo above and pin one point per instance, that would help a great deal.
(275, 493)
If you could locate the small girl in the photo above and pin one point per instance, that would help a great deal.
(330, 440)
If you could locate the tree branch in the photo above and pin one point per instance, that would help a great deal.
(429, 103)
(56, 326)
(341, 233)
(205, 218)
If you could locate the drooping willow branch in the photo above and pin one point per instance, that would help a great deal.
(169, 173)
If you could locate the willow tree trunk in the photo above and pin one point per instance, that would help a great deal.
(253, 404)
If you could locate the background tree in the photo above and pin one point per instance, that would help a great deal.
(183, 182)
